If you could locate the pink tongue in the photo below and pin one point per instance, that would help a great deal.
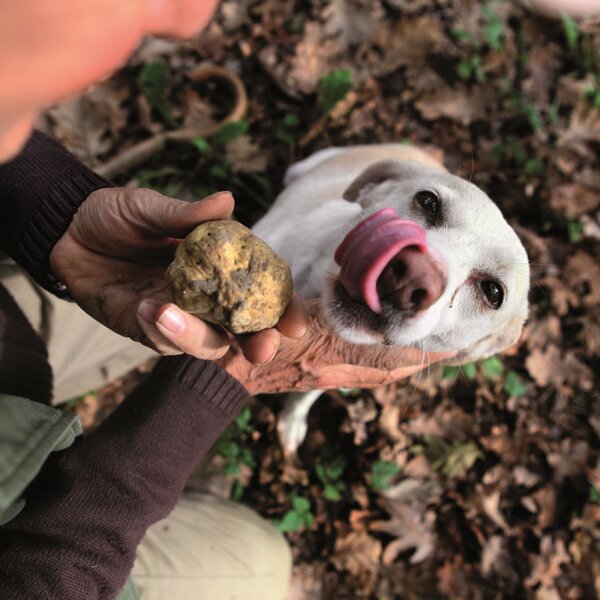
(369, 247)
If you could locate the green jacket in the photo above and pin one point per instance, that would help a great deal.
(29, 432)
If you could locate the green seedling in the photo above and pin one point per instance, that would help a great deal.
(298, 517)
(153, 82)
(330, 475)
(382, 474)
(452, 372)
(451, 459)
(232, 447)
(513, 385)
(494, 27)
(575, 231)
(287, 129)
(493, 367)
(594, 496)
(333, 89)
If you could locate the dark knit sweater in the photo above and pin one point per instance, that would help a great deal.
(90, 505)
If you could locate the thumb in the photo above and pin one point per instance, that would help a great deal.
(164, 216)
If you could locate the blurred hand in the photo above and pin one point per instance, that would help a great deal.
(113, 259)
(50, 49)
(322, 360)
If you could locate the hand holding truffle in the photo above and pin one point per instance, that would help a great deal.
(113, 259)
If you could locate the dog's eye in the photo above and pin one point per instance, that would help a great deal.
(431, 205)
(493, 294)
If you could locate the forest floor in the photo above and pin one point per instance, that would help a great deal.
(475, 483)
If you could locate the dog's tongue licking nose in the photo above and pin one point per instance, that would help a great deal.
(368, 249)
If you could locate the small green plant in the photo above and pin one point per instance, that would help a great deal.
(471, 68)
(493, 367)
(513, 385)
(452, 372)
(382, 474)
(571, 30)
(153, 83)
(494, 27)
(298, 517)
(287, 129)
(231, 446)
(330, 474)
(575, 231)
(594, 496)
(334, 88)
(451, 459)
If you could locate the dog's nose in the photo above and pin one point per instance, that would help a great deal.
(411, 281)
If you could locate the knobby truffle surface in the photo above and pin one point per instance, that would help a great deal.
(224, 274)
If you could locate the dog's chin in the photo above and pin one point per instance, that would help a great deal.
(356, 322)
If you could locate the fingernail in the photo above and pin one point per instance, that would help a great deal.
(172, 320)
(273, 354)
(147, 311)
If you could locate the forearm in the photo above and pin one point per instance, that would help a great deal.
(40, 191)
(89, 508)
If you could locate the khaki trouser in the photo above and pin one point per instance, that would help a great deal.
(207, 548)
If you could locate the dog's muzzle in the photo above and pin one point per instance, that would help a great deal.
(385, 258)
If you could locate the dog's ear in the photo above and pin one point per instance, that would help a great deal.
(385, 170)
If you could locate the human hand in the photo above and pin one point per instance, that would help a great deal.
(74, 44)
(113, 260)
(322, 360)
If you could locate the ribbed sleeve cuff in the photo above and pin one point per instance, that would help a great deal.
(40, 191)
(206, 378)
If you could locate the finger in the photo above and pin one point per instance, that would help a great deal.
(155, 340)
(190, 334)
(294, 321)
(259, 348)
(164, 216)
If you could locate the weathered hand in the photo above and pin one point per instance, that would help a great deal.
(113, 259)
(322, 360)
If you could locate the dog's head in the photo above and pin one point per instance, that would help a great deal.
(444, 271)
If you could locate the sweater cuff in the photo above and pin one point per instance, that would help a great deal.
(206, 378)
(40, 191)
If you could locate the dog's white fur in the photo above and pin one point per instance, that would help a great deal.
(311, 217)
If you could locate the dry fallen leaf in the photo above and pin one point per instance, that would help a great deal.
(412, 527)
(572, 200)
(357, 552)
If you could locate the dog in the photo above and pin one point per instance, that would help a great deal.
(401, 252)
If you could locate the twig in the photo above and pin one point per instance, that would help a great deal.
(142, 151)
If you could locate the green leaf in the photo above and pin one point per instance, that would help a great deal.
(244, 420)
(382, 473)
(231, 468)
(464, 70)
(571, 30)
(494, 29)
(229, 132)
(334, 88)
(594, 495)
(202, 145)
(534, 166)
(513, 385)
(153, 82)
(450, 372)
(291, 521)
(218, 171)
(300, 504)
(451, 459)
(575, 230)
(493, 367)
(332, 492)
(237, 491)
(470, 369)
(533, 116)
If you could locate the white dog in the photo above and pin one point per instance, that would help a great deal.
(400, 252)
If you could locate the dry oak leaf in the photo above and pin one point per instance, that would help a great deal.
(583, 274)
(547, 567)
(313, 59)
(574, 200)
(357, 552)
(545, 366)
(412, 527)
(458, 104)
(584, 127)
